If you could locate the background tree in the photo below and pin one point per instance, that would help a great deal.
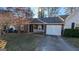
(21, 13)
(47, 11)
(5, 20)
(41, 12)
(53, 11)
(25, 12)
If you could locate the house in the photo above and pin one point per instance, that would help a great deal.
(48, 26)
(72, 21)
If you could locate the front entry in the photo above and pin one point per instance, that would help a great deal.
(38, 28)
(30, 28)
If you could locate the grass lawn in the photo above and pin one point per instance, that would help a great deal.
(21, 42)
(73, 41)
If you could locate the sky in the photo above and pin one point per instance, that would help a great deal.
(62, 11)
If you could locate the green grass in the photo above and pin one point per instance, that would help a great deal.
(73, 41)
(21, 42)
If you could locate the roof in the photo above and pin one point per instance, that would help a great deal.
(47, 20)
(35, 20)
(52, 20)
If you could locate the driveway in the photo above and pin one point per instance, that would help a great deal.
(53, 43)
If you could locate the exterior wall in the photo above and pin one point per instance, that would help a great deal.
(74, 17)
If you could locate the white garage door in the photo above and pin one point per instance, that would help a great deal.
(53, 29)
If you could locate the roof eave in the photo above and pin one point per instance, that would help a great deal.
(46, 23)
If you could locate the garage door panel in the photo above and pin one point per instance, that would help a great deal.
(53, 29)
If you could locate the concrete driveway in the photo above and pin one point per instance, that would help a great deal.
(53, 43)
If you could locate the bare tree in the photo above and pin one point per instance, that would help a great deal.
(5, 21)
(51, 11)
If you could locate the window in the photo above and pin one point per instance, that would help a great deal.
(73, 25)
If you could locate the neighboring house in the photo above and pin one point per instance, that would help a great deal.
(72, 21)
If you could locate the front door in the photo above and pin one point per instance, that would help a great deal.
(30, 28)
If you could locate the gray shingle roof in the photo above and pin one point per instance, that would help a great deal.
(47, 20)
(35, 20)
(52, 20)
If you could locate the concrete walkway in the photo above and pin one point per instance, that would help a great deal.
(53, 43)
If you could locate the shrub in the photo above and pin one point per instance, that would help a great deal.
(71, 33)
